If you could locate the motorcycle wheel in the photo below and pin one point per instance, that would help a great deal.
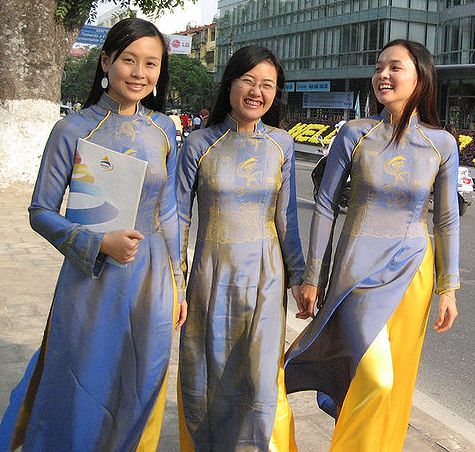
(317, 176)
(345, 196)
(462, 204)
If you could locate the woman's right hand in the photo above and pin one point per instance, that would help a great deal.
(181, 314)
(121, 245)
(310, 295)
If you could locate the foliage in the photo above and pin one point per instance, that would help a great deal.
(78, 76)
(190, 85)
(73, 13)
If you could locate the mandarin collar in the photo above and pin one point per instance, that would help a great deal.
(108, 103)
(232, 124)
(387, 117)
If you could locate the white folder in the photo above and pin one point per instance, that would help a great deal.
(105, 188)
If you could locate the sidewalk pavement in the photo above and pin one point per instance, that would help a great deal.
(28, 270)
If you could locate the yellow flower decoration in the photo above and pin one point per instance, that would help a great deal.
(464, 141)
(308, 133)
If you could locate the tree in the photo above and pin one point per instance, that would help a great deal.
(78, 76)
(35, 38)
(190, 85)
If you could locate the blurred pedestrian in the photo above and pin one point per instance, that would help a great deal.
(185, 121)
(177, 121)
(204, 115)
(196, 122)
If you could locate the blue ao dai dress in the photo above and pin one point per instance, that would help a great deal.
(247, 252)
(104, 358)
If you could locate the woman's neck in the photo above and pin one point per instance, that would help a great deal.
(244, 126)
(396, 114)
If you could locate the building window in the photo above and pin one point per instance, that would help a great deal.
(417, 32)
(430, 38)
(419, 4)
(398, 30)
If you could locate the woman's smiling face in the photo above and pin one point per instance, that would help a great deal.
(394, 79)
(252, 95)
(134, 73)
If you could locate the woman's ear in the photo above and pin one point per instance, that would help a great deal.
(105, 62)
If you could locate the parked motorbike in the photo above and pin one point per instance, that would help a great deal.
(179, 139)
(464, 189)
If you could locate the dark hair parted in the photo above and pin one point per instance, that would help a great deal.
(120, 36)
(242, 61)
(424, 97)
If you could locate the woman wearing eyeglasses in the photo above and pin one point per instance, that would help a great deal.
(241, 168)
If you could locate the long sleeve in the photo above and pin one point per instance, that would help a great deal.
(78, 244)
(446, 221)
(169, 216)
(186, 187)
(286, 220)
(326, 209)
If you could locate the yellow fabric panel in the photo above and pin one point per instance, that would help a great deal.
(283, 433)
(375, 414)
(151, 434)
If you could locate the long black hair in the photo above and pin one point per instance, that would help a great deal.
(242, 61)
(120, 36)
(424, 97)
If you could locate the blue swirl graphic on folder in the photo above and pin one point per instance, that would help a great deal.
(94, 207)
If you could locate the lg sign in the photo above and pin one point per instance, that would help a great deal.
(179, 44)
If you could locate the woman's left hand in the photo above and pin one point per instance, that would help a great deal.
(447, 312)
(296, 293)
(181, 315)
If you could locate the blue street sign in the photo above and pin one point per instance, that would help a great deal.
(92, 35)
(313, 86)
(290, 87)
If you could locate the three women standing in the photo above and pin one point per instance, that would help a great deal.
(363, 347)
(98, 381)
(241, 168)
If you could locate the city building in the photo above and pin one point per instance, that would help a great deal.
(203, 44)
(329, 47)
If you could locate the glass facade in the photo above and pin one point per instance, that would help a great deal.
(323, 34)
(339, 40)
(456, 43)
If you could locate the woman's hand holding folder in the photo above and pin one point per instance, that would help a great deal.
(121, 245)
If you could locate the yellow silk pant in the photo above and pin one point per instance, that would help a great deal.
(376, 410)
(283, 432)
(151, 434)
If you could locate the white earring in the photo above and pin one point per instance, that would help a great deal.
(104, 82)
(154, 91)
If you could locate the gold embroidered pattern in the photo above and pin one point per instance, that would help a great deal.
(239, 183)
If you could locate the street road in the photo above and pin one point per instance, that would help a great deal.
(447, 370)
